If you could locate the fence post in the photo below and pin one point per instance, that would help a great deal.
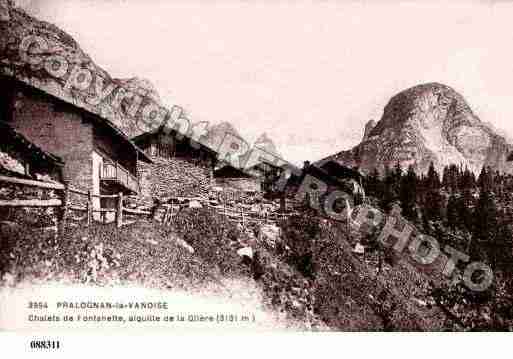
(64, 208)
(242, 215)
(89, 207)
(119, 212)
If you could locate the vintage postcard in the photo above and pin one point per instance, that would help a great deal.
(249, 166)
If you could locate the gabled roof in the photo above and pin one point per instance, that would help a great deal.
(141, 154)
(337, 170)
(91, 115)
(228, 171)
(138, 140)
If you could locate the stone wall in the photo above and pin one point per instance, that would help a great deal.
(173, 177)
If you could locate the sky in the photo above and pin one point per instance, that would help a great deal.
(310, 74)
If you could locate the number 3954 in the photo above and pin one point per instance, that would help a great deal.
(37, 305)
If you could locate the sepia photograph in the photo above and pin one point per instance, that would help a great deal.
(255, 166)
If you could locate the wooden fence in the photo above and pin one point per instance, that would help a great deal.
(232, 213)
(165, 215)
(64, 204)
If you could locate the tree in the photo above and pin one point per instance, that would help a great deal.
(485, 225)
(398, 174)
(408, 194)
(465, 210)
(432, 179)
(373, 185)
(485, 179)
(453, 215)
(389, 193)
(467, 180)
(433, 205)
(504, 242)
(451, 177)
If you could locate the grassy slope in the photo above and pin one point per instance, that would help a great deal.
(151, 255)
(346, 294)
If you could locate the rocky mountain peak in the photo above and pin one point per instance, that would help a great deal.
(5, 12)
(428, 123)
(267, 144)
(216, 133)
(263, 138)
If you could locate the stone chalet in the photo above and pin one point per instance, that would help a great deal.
(178, 168)
(97, 156)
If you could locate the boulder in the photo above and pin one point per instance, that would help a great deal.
(269, 234)
(184, 245)
(359, 249)
(195, 204)
(246, 251)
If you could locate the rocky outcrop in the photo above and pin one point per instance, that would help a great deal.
(55, 64)
(428, 123)
(4, 10)
(58, 66)
(266, 143)
(143, 87)
(217, 133)
(368, 128)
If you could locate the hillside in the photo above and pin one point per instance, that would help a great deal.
(148, 255)
(198, 254)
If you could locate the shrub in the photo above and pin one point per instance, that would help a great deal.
(213, 238)
(299, 234)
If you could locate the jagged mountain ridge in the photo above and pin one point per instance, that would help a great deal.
(217, 132)
(428, 123)
(16, 25)
(265, 143)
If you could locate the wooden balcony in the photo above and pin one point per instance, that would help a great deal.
(114, 172)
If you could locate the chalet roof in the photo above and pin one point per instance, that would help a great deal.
(141, 154)
(7, 133)
(92, 115)
(228, 171)
(139, 139)
(335, 169)
(321, 174)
